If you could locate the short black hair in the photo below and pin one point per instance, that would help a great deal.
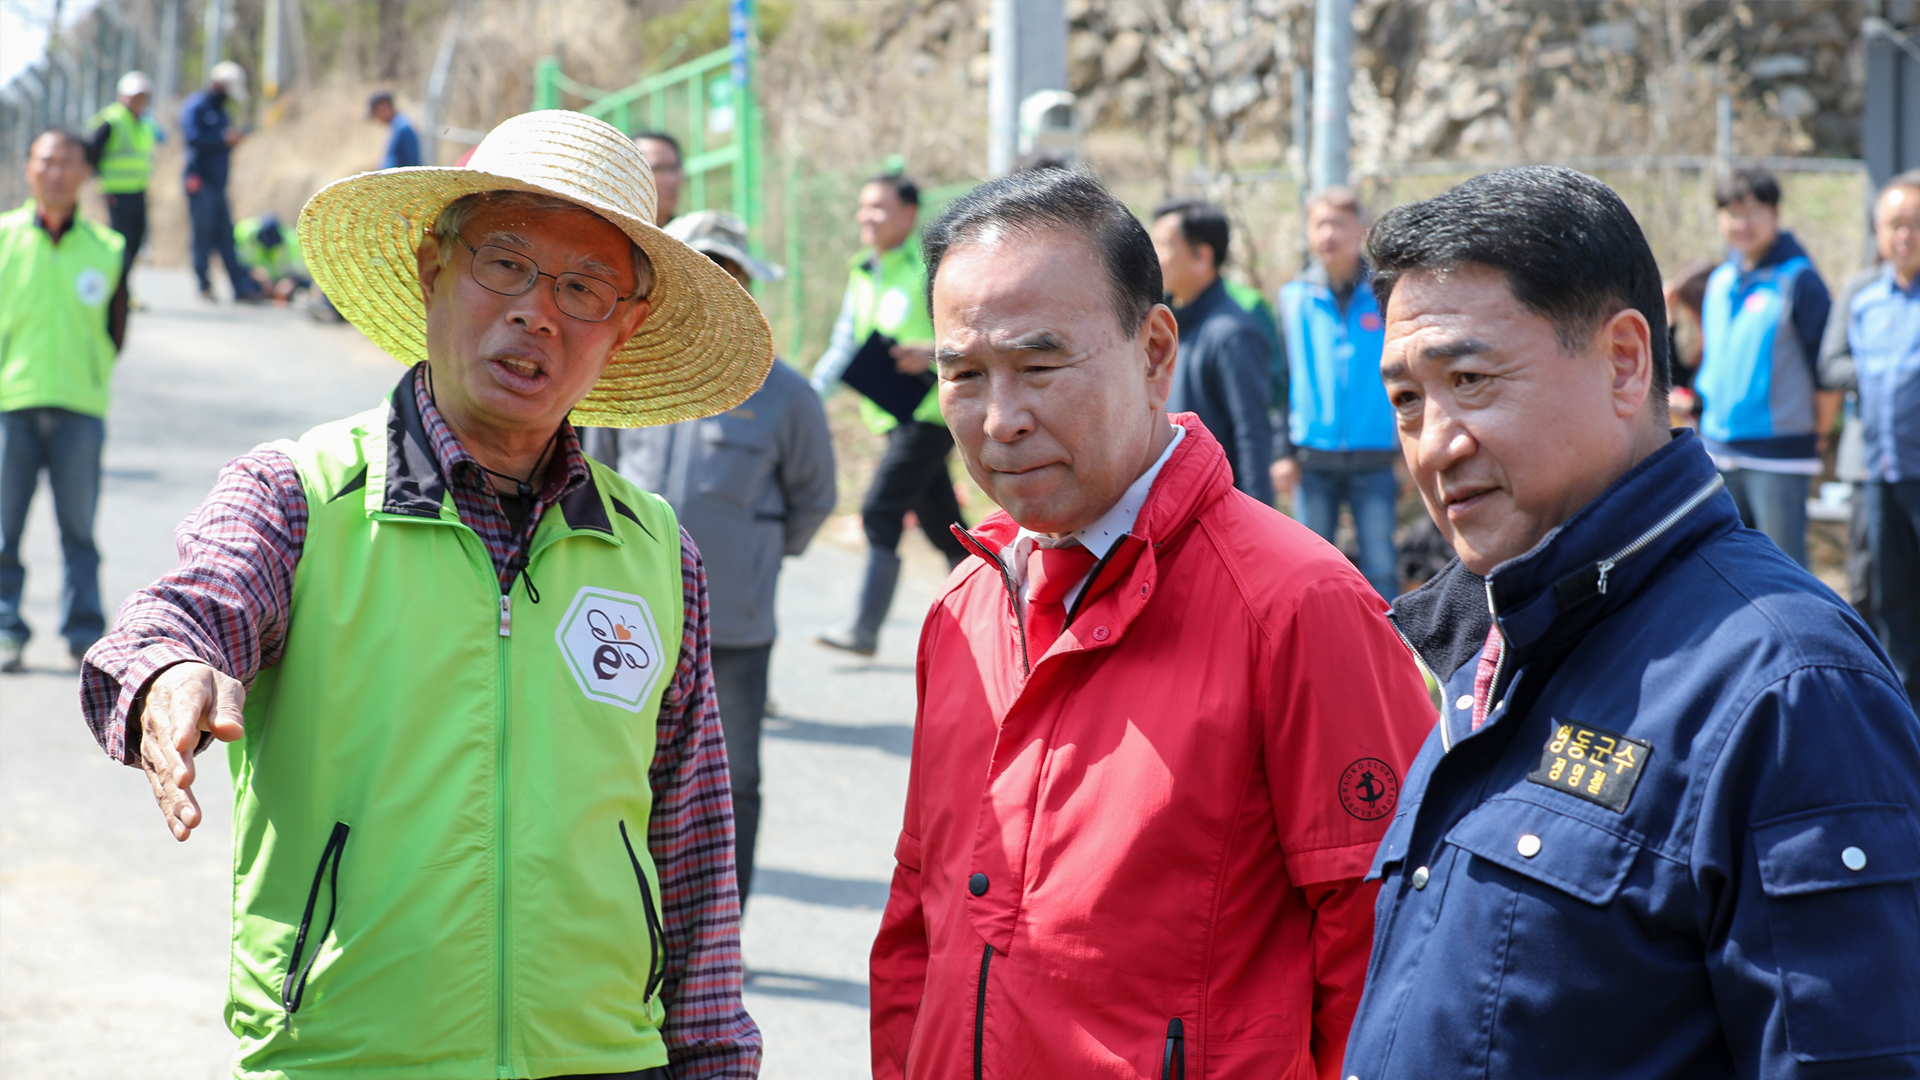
(661, 136)
(1049, 200)
(375, 99)
(1201, 222)
(1571, 251)
(65, 135)
(908, 191)
(1756, 184)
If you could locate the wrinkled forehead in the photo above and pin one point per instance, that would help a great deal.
(574, 234)
(1011, 281)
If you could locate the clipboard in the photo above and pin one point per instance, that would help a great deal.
(872, 373)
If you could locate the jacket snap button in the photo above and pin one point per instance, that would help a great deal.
(1100, 633)
(1854, 859)
(1529, 846)
(1143, 590)
(977, 884)
(1420, 878)
(1465, 702)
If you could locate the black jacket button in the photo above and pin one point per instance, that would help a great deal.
(977, 884)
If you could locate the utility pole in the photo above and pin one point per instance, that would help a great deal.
(1029, 54)
(1332, 74)
(273, 52)
(216, 29)
(169, 56)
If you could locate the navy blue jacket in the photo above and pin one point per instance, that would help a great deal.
(1222, 376)
(1737, 894)
(403, 145)
(204, 124)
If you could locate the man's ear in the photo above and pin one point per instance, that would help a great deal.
(1626, 342)
(427, 263)
(1160, 335)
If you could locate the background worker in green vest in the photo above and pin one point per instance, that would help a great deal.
(887, 294)
(481, 825)
(121, 150)
(271, 253)
(63, 315)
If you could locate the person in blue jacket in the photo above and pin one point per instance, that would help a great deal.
(403, 143)
(1224, 370)
(210, 137)
(1766, 414)
(1666, 826)
(1343, 442)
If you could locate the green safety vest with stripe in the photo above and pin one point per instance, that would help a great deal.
(890, 295)
(126, 165)
(55, 351)
(442, 798)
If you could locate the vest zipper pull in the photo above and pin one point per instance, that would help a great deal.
(506, 616)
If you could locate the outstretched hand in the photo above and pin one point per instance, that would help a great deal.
(182, 702)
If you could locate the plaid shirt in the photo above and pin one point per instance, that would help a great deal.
(226, 605)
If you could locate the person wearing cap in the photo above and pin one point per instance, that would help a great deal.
(403, 144)
(271, 253)
(481, 817)
(751, 485)
(63, 318)
(886, 295)
(121, 149)
(1668, 825)
(210, 137)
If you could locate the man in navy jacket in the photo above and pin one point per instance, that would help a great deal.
(1223, 370)
(210, 137)
(1666, 826)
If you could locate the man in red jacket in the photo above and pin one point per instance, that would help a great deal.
(1161, 726)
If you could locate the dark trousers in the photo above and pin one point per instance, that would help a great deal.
(1893, 536)
(66, 446)
(213, 233)
(913, 476)
(740, 687)
(127, 214)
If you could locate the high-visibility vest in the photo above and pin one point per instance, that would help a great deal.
(127, 162)
(55, 351)
(890, 296)
(442, 797)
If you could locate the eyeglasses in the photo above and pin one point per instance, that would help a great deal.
(509, 273)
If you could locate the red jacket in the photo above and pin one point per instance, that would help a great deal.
(1143, 859)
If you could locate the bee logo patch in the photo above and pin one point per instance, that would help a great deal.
(1594, 764)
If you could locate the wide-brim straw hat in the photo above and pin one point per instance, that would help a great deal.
(704, 347)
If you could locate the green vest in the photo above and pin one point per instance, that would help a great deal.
(890, 295)
(127, 162)
(276, 261)
(442, 798)
(54, 347)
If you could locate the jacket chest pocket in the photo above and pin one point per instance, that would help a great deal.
(1827, 875)
(733, 462)
(1572, 856)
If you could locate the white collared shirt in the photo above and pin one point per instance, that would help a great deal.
(1098, 537)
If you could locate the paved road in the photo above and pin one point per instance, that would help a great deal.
(113, 937)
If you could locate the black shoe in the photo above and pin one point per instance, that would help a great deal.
(847, 643)
(10, 658)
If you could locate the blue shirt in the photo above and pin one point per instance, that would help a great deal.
(1685, 842)
(1337, 400)
(203, 125)
(1761, 332)
(1883, 333)
(403, 146)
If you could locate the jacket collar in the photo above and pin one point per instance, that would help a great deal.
(1785, 246)
(1584, 570)
(1190, 317)
(422, 451)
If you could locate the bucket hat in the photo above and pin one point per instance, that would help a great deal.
(716, 232)
(704, 346)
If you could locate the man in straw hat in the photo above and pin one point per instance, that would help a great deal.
(481, 814)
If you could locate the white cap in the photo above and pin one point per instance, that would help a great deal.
(133, 84)
(230, 77)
